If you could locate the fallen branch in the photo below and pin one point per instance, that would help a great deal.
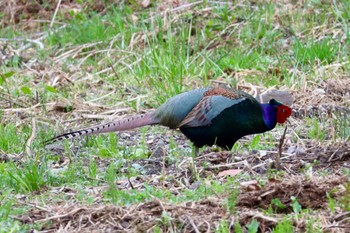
(278, 155)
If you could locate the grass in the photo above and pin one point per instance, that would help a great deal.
(122, 56)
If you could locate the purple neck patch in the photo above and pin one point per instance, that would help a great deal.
(269, 115)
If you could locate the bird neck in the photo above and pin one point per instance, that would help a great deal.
(269, 115)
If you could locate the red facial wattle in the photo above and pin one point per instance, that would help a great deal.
(283, 112)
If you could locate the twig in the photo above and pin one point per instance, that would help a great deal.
(130, 183)
(192, 224)
(74, 51)
(331, 157)
(225, 165)
(34, 205)
(74, 211)
(161, 204)
(92, 116)
(266, 218)
(55, 13)
(278, 155)
(115, 72)
(10, 110)
(336, 226)
(31, 138)
(8, 92)
(341, 216)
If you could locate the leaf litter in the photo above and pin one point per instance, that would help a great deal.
(254, 198)
(203, 215)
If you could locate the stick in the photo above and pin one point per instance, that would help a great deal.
(31, 138)
(55, 13)
(278, 155)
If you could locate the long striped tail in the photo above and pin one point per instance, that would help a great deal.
(120, 125)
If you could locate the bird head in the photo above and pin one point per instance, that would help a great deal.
(283, 111)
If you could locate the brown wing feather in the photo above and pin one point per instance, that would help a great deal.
(213, 102)
(198, 114)
(228, 93)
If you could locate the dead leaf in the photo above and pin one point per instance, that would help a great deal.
(251, 185)
(274, 180)
(231, 172)
(145, 3)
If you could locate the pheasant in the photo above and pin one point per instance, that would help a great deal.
(206, 116)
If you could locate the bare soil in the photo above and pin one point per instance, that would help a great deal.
(203, 215)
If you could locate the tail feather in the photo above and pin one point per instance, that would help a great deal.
(120, 125)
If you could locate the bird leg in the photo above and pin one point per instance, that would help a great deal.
(196, 151)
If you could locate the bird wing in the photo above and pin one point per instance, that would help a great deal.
(207, 109)
(175, 109)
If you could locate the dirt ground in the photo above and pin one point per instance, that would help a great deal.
(310, 189)
(203, 215)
